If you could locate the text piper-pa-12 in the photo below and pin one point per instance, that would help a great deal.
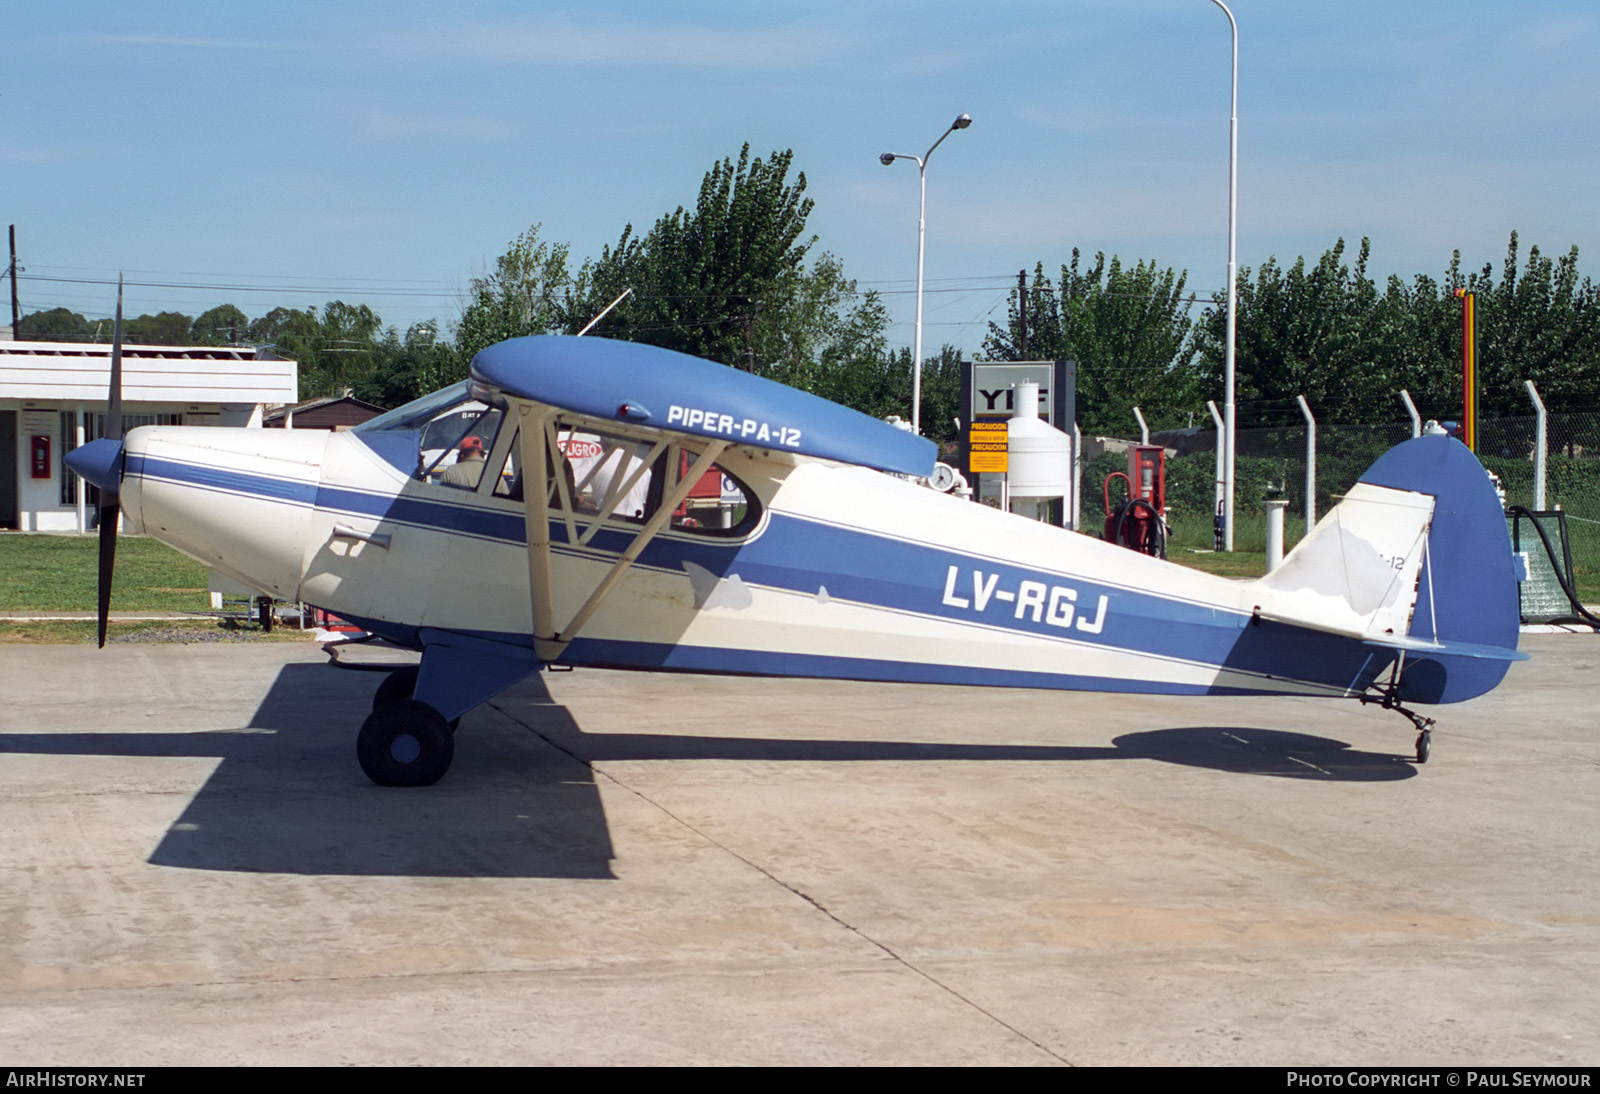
(604, 503)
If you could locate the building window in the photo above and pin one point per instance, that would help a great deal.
(69, 441)
(93, 427)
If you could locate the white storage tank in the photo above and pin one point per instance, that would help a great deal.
(1038, 458)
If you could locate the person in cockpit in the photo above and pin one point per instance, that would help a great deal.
(468, 468)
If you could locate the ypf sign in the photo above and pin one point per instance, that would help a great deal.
(988, 389)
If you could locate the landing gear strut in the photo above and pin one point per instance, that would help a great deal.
(408, 739)
(1389, 699)
(399, 684)
(402, 684)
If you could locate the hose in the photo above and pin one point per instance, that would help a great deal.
(1156, 545)
(1581, 614)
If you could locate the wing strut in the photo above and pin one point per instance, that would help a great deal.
(536, 508)
(548, 642)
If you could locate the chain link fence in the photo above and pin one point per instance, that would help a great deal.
(1508, 447)
(1271, 462)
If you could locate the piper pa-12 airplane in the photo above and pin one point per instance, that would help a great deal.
(615, 504)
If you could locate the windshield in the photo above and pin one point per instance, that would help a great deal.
(418, 412)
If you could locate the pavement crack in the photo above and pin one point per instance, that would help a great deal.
(882, 947)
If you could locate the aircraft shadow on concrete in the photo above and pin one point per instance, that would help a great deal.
(521, 800)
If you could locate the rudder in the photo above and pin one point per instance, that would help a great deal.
(1467, 591)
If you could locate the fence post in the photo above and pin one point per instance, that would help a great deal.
(1275, 509)
(1411, 409)
(1077, 477)
(1541, 439)
(1311, 465)
(1144, 430)
(1211, 405)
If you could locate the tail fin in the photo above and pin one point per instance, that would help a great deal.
(1467, 589)
(1415, 560)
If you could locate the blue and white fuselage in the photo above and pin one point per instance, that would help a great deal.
(814, 551)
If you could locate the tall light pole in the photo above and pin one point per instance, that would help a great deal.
(1233, 278)
(922, 223)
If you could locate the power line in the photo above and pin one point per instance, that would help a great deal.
(279, 289)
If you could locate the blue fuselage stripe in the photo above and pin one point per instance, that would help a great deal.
(798, 555)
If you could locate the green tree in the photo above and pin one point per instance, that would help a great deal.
(221, 326)
(405, 369)
(168, 328)
(56, 325)
(1540, 324)
(275, 328)
(345, 345)
(703, 280)
(1127, 328)
(732, 281)
(525, 294)
(336, 350)
(1315, 332)
(1325, 332)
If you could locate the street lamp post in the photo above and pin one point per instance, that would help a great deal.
(1233, 277)
(922, 207)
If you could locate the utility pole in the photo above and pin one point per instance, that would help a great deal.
(1022, 312)
(16, 317)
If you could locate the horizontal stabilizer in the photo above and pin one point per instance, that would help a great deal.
(1356, 573)
(1445, 649)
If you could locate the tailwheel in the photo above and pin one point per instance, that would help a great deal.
(405, 743)
(1388, 698)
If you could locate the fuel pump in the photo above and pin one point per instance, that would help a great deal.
(1139, 522)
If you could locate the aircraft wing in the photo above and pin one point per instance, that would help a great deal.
(662, 389)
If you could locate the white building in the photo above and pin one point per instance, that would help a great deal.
(53, 398)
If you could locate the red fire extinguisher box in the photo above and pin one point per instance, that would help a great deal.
(40, 457)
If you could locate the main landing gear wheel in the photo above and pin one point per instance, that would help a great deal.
(402, 684)
(405, 743)
(1424, 746)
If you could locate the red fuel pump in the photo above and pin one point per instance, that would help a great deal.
(1139, 523)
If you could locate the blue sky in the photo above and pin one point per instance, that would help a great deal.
(294, 153)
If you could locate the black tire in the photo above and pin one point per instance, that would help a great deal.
(402, 684)
(1424, 746)
(405, 743)
(399, 684)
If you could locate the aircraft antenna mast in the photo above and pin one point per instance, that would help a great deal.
(604, 312)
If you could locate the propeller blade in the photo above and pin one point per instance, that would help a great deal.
(110, 504)
(109, 511)
(114, 400)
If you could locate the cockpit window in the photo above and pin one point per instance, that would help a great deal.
(718, 503)
(418, 412)
(605, 478)
(456, 446)
(454, 430)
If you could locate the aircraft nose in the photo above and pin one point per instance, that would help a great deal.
(99, 462)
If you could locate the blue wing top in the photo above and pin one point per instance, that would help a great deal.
(632, 382)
